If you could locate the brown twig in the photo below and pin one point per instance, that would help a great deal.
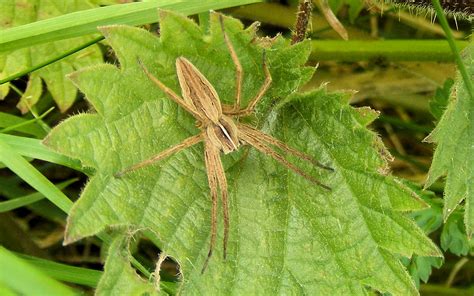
(301, 26)
(331, 18)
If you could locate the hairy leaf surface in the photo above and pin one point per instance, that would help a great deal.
(454, 155)
(286, 235)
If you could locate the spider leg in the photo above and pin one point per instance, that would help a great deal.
(252, 139)
(253, 102)
(272, 141)
(170, 93)
(163, 154)
(238, 67)
(222, 180)
(209, 156)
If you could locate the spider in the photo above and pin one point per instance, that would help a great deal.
(220, 132)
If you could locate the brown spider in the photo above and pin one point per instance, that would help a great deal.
(219, 132)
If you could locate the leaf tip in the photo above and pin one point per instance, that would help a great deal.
(47, 140)
(162, 13)
(367, 114)
(447, 211)
(68, 239)
(106, 30)
(431, 178)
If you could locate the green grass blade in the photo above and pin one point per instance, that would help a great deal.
(25, 123)
(7, 120)
(12, 188)
(76, 275)
(34, 149)
(86, 22)
(455, 49)
(26, 279)
(19, 202)
(65, 273)
(32, 176)
(50, 61)
(6, 291)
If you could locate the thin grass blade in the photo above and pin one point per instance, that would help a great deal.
(19, 202)
(34, 149)
(32, 176)
(86, 22)
(26, 279)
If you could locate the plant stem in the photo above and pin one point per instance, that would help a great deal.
(454, 48)
(360, 48)
(457, 267)
(389, 50)
(304, 17)
(439, 290)
(140, 267)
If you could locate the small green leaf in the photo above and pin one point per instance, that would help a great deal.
(454, 155)
(33, 91)
(453, 236)
(286, 235)
(441, 98)
(420, 267)
(429, 220)
(119, 276)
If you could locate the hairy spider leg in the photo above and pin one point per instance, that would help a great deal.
(272, 141)
(235, 109)
(188, 142)
(238, 67)
(217, 179)
(171, 94)
(252, 138)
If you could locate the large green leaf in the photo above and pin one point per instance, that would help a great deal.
(19, 12)
(454, 155)
(287, 235)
